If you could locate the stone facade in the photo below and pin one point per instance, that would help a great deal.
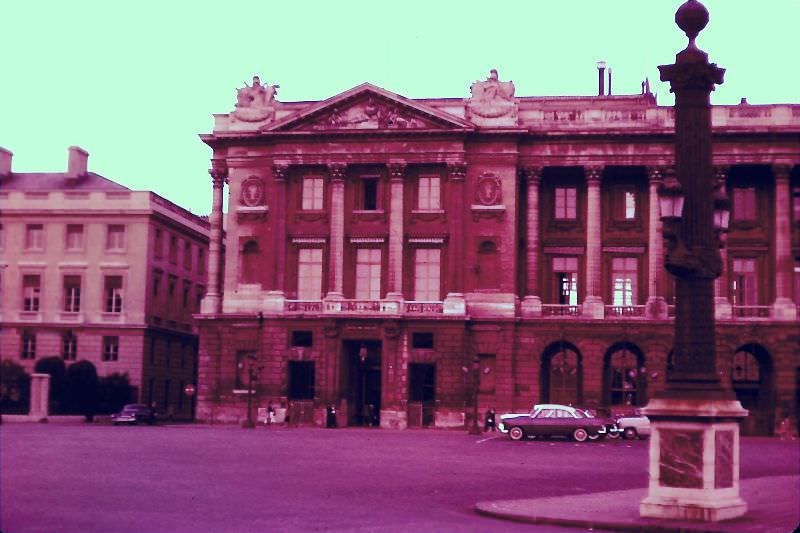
(65, 240)
(422, 256)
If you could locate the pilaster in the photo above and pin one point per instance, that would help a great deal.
(397, 173)
(783, 308)
(656, 306)
(454, 303)
(593, 304)
(337, 174)
(280, 173)
(532, 302)
(212, 302)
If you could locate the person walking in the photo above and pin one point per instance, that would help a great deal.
(488, 420)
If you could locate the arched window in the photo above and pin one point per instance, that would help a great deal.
(625, 375)
(250, 266)
(488, 267)
(562, 374)
(751, 380)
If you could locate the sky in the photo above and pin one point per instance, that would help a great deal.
(135, 83)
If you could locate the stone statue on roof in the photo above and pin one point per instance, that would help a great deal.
(256, 102)
(492, 102)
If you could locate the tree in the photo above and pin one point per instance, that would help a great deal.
(58, 381)
(15, 388)
(82, 384)
(114, 391)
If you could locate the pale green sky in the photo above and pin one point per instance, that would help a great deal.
(134, 83)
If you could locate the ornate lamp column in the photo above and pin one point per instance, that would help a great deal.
(593, 304)
(397, 172)
(783, 308)
(337, 172)
(454, 303)
(656, 306)
(532, 303)
(212, 302)
(694, 448)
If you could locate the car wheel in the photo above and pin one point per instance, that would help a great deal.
(631, 433)
(516, 433)
(614, 434)
(580, 435)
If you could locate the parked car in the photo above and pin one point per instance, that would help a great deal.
(634, 426)
(546, 420)
(133, 413)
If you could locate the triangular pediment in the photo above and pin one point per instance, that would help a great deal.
(367, 107)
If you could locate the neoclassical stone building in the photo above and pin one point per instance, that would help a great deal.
(406, 260)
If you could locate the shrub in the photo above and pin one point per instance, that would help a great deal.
(114, 391)
(58, 382)
(82, 385)
(15, 388)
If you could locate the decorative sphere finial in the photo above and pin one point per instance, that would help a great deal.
(691, 17)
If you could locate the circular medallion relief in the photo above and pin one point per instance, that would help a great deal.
(252, 192)
(488, 190)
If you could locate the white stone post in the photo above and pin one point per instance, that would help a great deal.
(40, 397)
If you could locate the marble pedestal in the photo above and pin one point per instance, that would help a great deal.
(694, 460)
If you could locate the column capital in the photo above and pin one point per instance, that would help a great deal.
(280, 172)
(456, 171)
(593, 173)
(337, 171)
(721, 174)
(781, 172)
(219, 172)
(397, 171)
(655, 174)
(533, 174)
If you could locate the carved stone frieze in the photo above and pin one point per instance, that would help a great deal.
(370, 114)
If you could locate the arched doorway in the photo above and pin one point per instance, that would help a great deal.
(624, 376)
(561, 374)
(751, 379)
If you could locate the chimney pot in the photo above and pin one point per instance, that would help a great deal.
(77, 162)
(5, 161)
(609, 81)
(601, 74)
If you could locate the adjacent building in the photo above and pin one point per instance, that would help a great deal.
(90, 270)
(412, 261)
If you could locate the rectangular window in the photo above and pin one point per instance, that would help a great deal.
(630, 205)
(429, 193)
(368, 274)
(115, 237)
(187, 255)
(28, 346)
(744, 282)
(427, 272)
(370, 194)
(113, 294)
(198, 297)
(168, 354)
(301, 380)
(156, 284)
(159, 244)
(566, 203)
(422, 340)
(302, 339)
(34, 237)
(244, 359)
(623, 281)
(72, 294)
(187, 289)
(69, 346)
(565, 271)
(152, 351)
(173, 249)
(744, 203)
(74, 237)
(31, 292)
(309, 274)
(110, 348)
(312, 194)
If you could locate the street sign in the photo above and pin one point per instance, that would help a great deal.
(189, 389)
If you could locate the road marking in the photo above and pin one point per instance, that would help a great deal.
(487, 438)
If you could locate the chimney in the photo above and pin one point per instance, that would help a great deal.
(609, 81)
(77, 162)
(601, 75)
(5, 161)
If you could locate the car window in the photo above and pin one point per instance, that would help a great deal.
(545, 413)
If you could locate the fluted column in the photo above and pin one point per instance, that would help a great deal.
(454, 301)
(212, 302)
(397, 172)
(532, 302)
(723, 310)
(783, 308)
(593, 304)
(337, 173)
(279, 175)
(656, 306)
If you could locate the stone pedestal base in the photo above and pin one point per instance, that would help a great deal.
(531, 306)
(394, 419)
(784, 309)
(723, 310)
(656, 307)
(454, 304)
(273, 302)
(593, 308)
(491, 304)
(40, 397)
(210, 304)
(694, 460)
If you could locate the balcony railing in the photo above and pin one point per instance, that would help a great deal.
(364, 306)
(627, 311)
(751, 311)
(561, 310)
(423, 308)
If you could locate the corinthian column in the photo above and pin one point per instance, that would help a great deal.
(397, 172)
(337, 172)
(722, 305)
(593, 304)
(532, 302)
(454, 301)
(656, 306)
(783, 308)
(212, 302)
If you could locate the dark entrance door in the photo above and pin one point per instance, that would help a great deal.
(421, 394)
(363, 384)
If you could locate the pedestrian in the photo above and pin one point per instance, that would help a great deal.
(488, 420)
(330, 418)
(270, 414)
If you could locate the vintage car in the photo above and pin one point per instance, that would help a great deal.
(635, 425)
(133, 413)
(547, 420)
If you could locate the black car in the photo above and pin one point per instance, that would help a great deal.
(133, 413)
(546, 420)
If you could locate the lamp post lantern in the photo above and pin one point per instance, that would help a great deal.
(694, 448)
